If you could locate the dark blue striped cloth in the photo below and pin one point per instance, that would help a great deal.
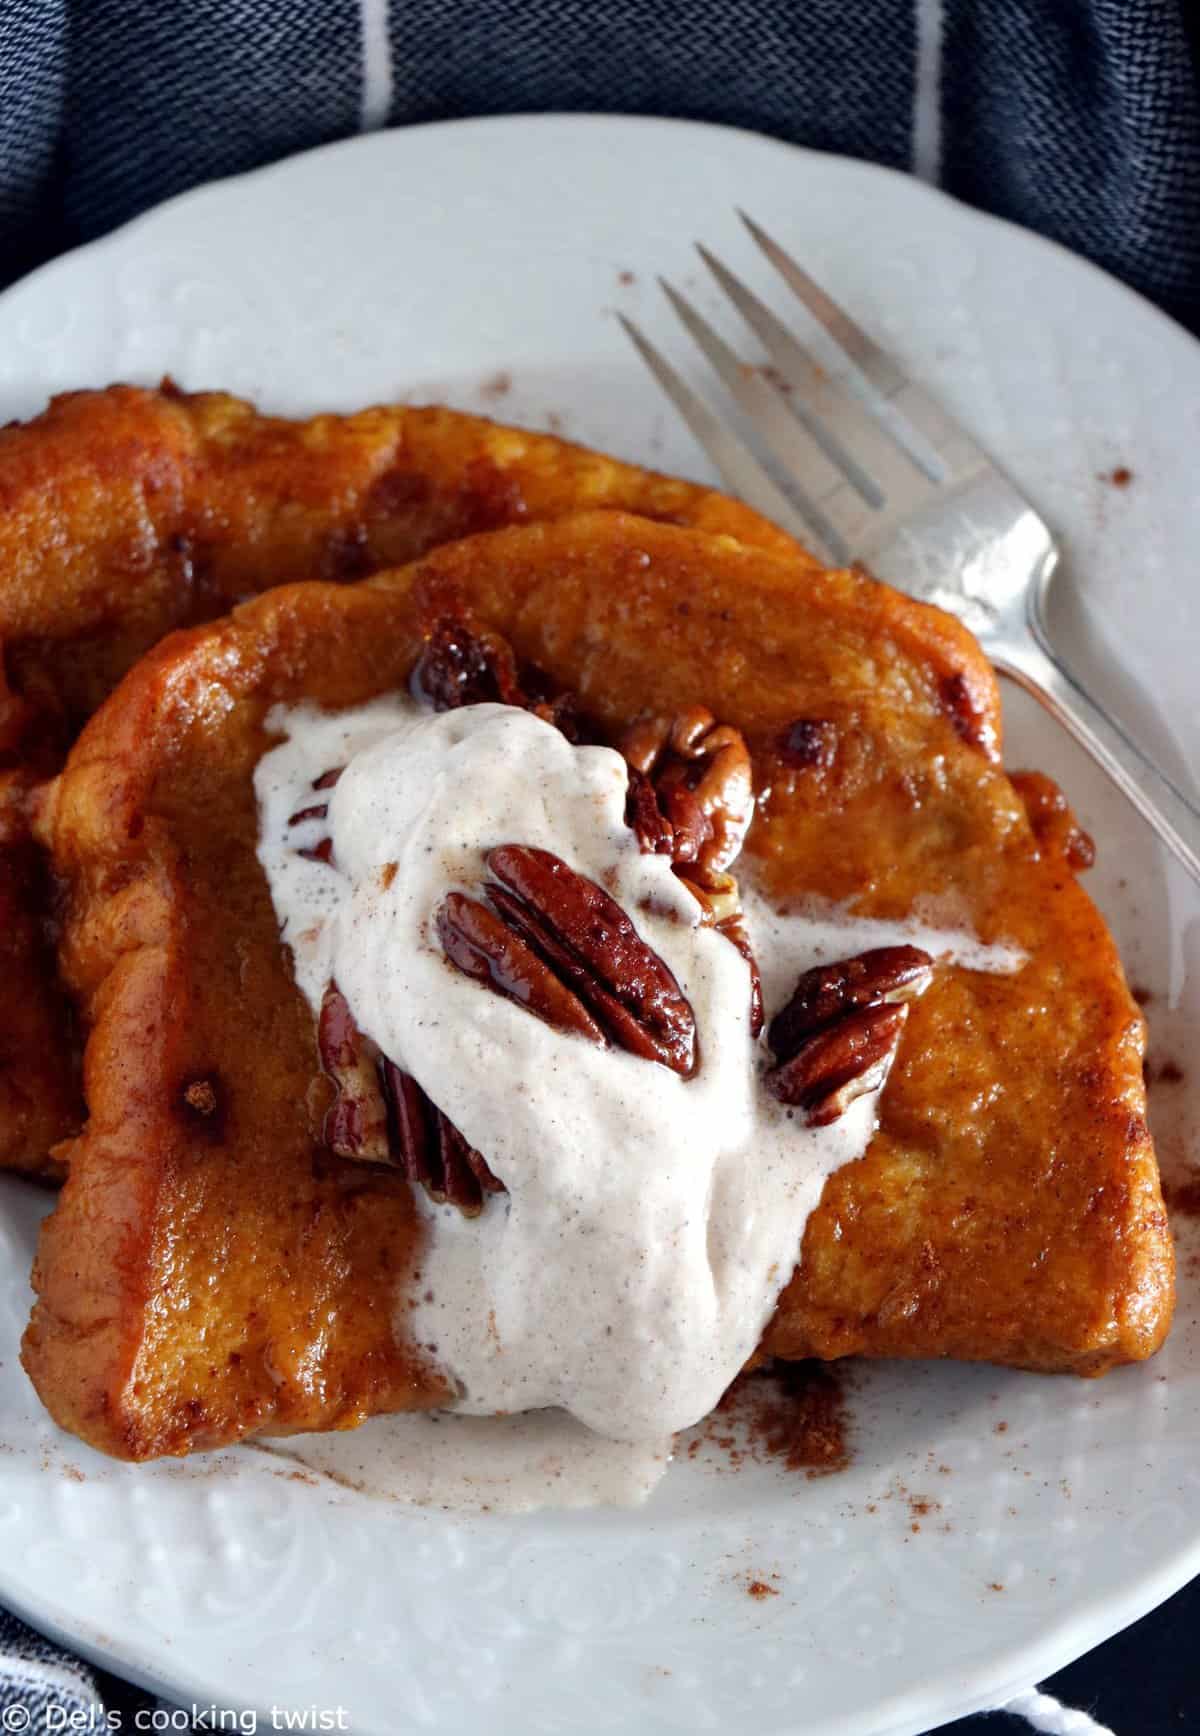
(1080, 118)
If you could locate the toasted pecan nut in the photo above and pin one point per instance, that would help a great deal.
(430, 1150)
(837, 1037)
(701, 770)
(699, 824)
(485, 946)
(691, 826)
(839, 1064)
(322, 851)
(381, 1115)
(317, 811)
(887, 974)
(590, 940)
(566, 715)
(734, 929)
(717, 895)
(645, 818)
(356, 1122)
(464, 665)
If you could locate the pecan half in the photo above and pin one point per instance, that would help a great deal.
(494, 952)
(322, 851)
(691, 797)
(465, 665)
(837, 1037)
(701, 772)
(886, 975)
(381, 1115)
(559, 945)
(356, 1123)
(655, 833)
(429, 1148)
(734, 929)
(845, 1061)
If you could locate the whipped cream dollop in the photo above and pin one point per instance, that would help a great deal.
(650, 1220)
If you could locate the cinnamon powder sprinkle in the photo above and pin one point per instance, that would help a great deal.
(758, 1588)
(1183, 1197)
(793, 1413)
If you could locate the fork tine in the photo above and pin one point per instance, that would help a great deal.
(744, 476)
(948, 441)
(875, 364)
(792, 436)
(834, 512)
(822, 401)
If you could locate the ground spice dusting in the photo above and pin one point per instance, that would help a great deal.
(1183, 1197)
(792, 1413)
(758, 1588)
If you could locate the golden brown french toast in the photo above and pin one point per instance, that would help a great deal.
(212, 1270)
(126, 513)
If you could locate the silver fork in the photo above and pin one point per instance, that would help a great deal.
(883, 476)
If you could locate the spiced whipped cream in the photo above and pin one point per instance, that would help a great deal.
(651, 1215)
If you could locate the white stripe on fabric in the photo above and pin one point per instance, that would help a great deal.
(927, 94)
(376, 65)
(1050, 1717)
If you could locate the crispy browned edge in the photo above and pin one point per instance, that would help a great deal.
(127, 512)
(1032, 1234)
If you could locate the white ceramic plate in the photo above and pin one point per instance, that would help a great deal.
(480, 264)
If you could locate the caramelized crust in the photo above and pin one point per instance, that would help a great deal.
(126, 513)
(212, 1273)
(40, 1100)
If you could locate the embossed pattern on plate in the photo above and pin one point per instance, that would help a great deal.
(338, 279)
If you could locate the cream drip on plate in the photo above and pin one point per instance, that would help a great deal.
(650, 1220)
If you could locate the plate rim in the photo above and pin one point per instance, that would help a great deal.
(1088, 1622)
(579, 120)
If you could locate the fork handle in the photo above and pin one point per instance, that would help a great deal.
(1164, 807)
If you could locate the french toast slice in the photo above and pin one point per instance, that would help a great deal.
(126, 513)
(212, 1271)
